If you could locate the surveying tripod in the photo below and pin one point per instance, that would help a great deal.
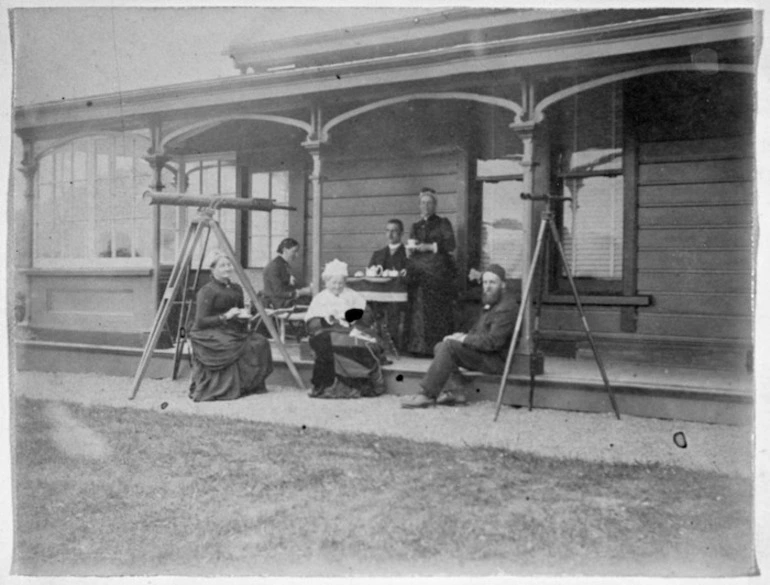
(540, 256)
(179, 277)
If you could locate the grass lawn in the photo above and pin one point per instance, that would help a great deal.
(195, 495)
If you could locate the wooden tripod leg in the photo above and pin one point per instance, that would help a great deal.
(184, 311)
(253, 294)
(599, 363)
(520, 317)
(180, 328)
(534, 361)
(165, 306)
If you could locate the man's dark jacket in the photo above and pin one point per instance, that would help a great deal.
(388, 261)
(494, 328)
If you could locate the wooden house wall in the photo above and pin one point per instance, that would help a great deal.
(695, 225)
(98, 307)
(360, 196)
(695, 197)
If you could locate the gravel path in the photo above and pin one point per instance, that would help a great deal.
(596, 437)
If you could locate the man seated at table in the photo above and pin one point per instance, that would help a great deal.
(484, 348)
(392, 257)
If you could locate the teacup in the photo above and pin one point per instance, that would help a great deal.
(390, 273)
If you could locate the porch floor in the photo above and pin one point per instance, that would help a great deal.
(568, 384)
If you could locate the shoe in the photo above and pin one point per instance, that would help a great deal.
(449, 398)
(417, 401)
(316, 392)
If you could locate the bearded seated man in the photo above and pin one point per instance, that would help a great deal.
(484, 348)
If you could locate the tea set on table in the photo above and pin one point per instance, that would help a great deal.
(378, 273)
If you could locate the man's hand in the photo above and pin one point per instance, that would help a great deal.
(305, 290)
(456, 337)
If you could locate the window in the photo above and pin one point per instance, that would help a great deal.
(588, 141)
(502, 229)
(89, 208)
(211, 176)
(266, 230)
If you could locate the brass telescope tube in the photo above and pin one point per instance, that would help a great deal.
(214, 202)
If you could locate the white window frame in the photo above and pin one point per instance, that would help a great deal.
(91, 182)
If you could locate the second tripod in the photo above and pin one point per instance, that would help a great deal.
(548, 228)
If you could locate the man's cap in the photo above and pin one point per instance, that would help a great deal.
(496, 269)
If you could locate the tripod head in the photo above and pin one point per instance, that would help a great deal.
(549, 199)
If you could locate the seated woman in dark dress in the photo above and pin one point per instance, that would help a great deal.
(281, 288)
(430, 278)
(229, 360)
(348, 355)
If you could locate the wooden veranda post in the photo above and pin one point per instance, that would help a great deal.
(315, 147)
(157, 159)
(525, 131)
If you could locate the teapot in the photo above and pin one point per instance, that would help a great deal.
(374, 271)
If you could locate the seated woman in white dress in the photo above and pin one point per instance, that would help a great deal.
(346, 366)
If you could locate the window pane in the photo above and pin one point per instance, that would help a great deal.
(260, 185)
(259, 251)
(210, 178)
(45, 201)
(141, 238)
(103, 239)
(168, 246)
(81, 160)
(45, 170)
(279, 191)
(80, 200)
(502, 229)
(64, 164)
(592, 231)
(592, 140)
(121, 202)
(124, 166)
(227, 183)
(103, 156)
(103, 196)
(259, 240)
(122, 238)
(74, 240)
(46, 240)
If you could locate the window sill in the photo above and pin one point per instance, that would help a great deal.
(95, 271)
(607, 300)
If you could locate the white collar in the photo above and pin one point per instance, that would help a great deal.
(395, 247)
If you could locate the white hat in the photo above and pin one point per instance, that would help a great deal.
(335, 268)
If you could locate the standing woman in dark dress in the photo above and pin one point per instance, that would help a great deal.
(430, 277)
(281, 288)
(229, 360)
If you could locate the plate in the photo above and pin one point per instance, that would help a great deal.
(355, 278)
(378, 278)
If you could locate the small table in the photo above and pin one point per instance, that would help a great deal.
(381, 290)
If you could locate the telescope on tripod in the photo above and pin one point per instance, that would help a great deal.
(547, 228)
(205, 221)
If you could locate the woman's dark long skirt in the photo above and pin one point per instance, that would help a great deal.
(432, 298)
(228, 364)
